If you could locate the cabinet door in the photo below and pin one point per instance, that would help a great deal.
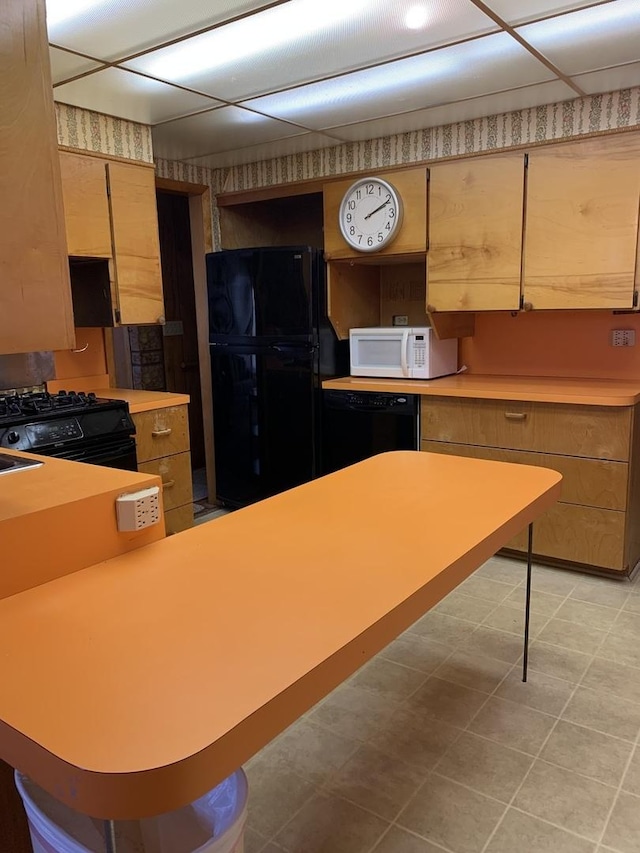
(35, 293)
(86, 207)
(581, 225)
(475, 234)
(134, 222)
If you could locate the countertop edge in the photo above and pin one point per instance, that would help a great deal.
(143, 401)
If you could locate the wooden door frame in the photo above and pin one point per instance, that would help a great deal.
(199, 196)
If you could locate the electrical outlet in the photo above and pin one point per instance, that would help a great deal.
(400, 319)
(137, 510)
(623, 338)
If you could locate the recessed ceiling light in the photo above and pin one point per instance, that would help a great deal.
(416, 17)
(62, 10)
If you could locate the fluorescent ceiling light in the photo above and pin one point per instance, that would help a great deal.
(265, 32)
(595, 20)
(416, 18)
(63, 10)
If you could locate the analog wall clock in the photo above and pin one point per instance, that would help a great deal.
(370, 214)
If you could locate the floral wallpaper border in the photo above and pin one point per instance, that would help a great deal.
(91, 131)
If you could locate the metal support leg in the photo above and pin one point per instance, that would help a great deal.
(527, 606)
(110, 836)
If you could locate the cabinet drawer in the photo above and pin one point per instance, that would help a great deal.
(580, 534)
(595, 431)
(591, 482)
(175, 473)
(161, 432)
(180, 518)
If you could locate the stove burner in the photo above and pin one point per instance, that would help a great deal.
(40, 403)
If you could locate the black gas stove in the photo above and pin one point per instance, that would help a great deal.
(69, 425)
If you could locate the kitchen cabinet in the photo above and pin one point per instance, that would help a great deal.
(110, 212)
(595, 448)
(162, 447)
(35, 292)
(475, 234)
(581, 226)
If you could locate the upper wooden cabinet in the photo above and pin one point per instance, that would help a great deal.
(110, 212)
(581, 227)
(411, 185)
(475, 234)
(35, 293)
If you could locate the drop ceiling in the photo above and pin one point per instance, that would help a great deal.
(234, 81)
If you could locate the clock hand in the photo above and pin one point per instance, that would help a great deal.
(380, 206)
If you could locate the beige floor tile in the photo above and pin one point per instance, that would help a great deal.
(473, 670)
(620, 649)
(604, 712)
(353, 712)
(377, 782)
(566, 799)
(486, 589)
(416, 652)
(556, 582)
(451, 815)
(503, 569)
(443, 700)
(541, 602)
(585, 613)
(465, 607)
(310, 750)
(577, 638)
(540, 691)
(328, 824)
(389, 679)
(631, 781)
(412, 737)
(276, 795)
(623, 829)
(613, 594)
(611, 677)
(270, 848)
(508, 618)
(585, 751)
(632, 604)
(443, 629)
(253, 841)
(522, 832)
(627, 625)
(485, 766)
(512, 725)
(400, 841)
(557, 661)
(495, 644)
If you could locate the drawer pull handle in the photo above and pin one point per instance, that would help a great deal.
(515, 416)
(168, 484)
(158, 433)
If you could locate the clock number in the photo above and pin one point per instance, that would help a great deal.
(352, 205)
(358, 194)
(352, 230)
(369, 189)
(349, 217)
(388, 226)
(359, 238)
(392, 213)
(369, 241)
(380, 237)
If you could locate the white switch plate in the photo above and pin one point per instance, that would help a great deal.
(623, 338)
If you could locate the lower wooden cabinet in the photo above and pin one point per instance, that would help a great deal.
(596, 523)
(162, 446)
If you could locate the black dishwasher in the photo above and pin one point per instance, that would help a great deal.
(359, 424)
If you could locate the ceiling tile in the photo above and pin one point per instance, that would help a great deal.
(594, 38)
(65, 65)
(216, 131)
(305, 40)
(127, 95)
(522, 11)
(463, 71)
(112, 29)
(531, 96)
(279, 148)
(610, 80)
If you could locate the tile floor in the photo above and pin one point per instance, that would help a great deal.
(436, 745)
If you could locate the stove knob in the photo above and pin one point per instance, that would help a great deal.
(13, 437)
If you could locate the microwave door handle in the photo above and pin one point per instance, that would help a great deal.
(404, 353)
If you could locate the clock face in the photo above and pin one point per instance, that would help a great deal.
(370, 214)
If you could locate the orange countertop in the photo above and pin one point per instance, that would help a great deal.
(143, 401)
(154, 675)
(542, 389)
(61, 517)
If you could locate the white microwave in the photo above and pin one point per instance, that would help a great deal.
(401, 353)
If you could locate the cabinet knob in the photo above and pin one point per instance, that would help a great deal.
(515, 416)
(431, 309)
(527, 306)
(168, 484)
(162, 320)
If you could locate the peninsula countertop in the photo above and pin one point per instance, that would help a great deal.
(155, 674)
(143, 401)
(542, 389)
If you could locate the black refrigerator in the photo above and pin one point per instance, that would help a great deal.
(271, 345)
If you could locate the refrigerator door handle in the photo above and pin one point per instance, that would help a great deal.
(216, 344)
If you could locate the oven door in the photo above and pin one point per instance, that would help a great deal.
(117, 453)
